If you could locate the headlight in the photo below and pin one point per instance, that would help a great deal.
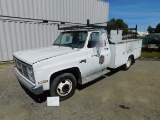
(30, 74)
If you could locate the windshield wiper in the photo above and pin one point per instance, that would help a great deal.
(68, 45)
(57, 45)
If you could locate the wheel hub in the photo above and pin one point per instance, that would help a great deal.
(64, 87)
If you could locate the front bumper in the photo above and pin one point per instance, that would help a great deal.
(25, 82)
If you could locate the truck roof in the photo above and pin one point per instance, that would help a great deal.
(85, 30)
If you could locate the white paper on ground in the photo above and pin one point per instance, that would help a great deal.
(53, 101)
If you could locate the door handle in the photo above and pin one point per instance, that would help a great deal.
(94, 55)
(83, 61)
(105, 48)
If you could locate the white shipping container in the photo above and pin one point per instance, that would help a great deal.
(16, 36)
(59, 10)
(20, 26)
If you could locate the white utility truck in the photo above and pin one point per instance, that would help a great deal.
(76, 56)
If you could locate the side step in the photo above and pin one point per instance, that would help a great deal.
(94, 76)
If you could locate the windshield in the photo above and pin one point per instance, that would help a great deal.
(74, 39)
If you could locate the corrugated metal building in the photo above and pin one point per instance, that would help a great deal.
(23, 26)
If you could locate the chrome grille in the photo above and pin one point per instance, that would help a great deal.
(24, 71)
(22, 67)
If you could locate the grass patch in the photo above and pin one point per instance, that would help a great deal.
(150, 54)
(7, 63)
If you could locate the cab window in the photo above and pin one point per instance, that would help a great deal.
(93, 40)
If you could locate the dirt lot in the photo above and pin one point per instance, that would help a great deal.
(123, 95)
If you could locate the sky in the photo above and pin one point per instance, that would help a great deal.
(136, 12)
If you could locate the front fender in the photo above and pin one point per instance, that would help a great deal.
(46, 74)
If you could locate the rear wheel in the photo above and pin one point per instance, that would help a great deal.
(63, 86)
(129, 63)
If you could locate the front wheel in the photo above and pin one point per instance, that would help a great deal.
(128, 64)
(63, 86)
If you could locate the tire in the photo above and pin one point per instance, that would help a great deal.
(63, 86)
(129, 63)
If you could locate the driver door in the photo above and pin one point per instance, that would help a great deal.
(98, 52)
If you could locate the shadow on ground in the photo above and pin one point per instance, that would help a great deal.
(43, 97)
(37, 98)
(112, 71)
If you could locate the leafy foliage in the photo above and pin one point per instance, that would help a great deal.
(150, 29)
(157, 29)
(118, 24)
(154, 30)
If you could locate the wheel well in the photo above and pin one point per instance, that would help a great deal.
(75, 71)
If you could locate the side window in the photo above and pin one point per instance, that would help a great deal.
(103, 40)
(93, 40)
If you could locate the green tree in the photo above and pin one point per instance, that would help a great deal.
(118, 24)
(157, 29)
(150, 29)
(112, 21)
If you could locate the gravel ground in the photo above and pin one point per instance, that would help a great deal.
(123, 95)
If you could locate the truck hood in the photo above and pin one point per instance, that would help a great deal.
(37, 55)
